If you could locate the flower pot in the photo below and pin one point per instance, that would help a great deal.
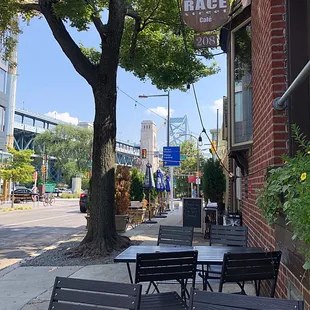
(138, 214)
(121, 222)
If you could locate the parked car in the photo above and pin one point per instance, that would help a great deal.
(25, 194)
(83, 201)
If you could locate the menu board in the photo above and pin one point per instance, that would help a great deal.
(192, 212)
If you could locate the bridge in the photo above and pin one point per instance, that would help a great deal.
(29, 124)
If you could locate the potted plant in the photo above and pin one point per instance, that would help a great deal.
(122, 197)
(286, 194)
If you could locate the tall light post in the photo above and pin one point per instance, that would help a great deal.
(168, 138)
(199, 142)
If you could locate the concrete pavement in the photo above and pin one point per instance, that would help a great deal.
(28, 288)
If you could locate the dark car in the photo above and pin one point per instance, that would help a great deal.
(25, 194)
(83, 201)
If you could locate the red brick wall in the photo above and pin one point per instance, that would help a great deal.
(269, 126)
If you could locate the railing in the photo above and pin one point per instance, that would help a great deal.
(281, 102)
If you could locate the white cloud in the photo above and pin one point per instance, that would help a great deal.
(217, 104)
(161, 111)
(63, 117)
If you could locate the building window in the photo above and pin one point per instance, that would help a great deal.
(241, 79)
(2, 81)
(2, 118)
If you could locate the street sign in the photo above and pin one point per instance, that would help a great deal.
(171, 156)
(183, 157)
(191, 179)
(198, 181)
(35, 176)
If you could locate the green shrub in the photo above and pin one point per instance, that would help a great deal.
(66, 195)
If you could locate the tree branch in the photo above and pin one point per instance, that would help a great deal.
(79, 61)
(132, 13)
(100, 26)
(28, 7)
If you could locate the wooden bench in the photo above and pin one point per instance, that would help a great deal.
(166, 266)
(175, 235)
(79, 294)
(220, 301)
(241, 267)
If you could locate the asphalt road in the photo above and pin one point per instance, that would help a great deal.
(23, 233)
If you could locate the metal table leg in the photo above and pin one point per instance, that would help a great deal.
(129, 272)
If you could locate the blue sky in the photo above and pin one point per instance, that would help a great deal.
(47, 83)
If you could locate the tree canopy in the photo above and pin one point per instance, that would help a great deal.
(70, 145)
(152, 44)
(18, 168)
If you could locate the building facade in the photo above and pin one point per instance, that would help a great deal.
(267, 44)
(149, 142)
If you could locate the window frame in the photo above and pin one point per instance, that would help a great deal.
(232, 87)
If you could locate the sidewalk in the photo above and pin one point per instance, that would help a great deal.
(29, 288)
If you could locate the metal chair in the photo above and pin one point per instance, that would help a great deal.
(75, 294)
(241, 267)
(175, 235)
(153, 267)
(215, 301)
(224, 235)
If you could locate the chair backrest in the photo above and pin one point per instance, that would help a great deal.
(239, 267)
(163, 266)
(75, 294)
(229, 235)
(202, 300)
(175, 235)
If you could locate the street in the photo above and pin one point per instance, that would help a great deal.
(26, 232)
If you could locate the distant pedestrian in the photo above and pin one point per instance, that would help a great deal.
(194, 192)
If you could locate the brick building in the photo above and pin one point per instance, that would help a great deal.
(267, 44)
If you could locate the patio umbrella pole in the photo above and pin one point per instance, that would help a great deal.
(149, 221)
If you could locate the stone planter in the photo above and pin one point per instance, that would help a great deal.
(121, 222)
(138, 214)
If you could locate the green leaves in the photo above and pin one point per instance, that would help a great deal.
(71, 145)
(287, 189)
(18, 168)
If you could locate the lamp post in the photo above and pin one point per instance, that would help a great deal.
(199, 141)
(168, 138)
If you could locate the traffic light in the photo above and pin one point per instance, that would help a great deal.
(143, 153)
(43, 169)
(213, 147)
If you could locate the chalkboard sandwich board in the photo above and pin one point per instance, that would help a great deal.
(192, 212)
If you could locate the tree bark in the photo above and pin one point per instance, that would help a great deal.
(101, 234)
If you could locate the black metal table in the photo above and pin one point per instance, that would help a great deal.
(207, 255)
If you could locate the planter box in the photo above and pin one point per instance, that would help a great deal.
(121, 222)
(138, 214)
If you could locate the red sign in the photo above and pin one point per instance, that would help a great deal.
(205, 40)
(35, 176)
(205, 15)
(191, 179)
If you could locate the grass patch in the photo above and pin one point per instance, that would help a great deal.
(64, 195)
(17, 208)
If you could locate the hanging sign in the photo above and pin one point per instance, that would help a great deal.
(205, 40)
(205, 15)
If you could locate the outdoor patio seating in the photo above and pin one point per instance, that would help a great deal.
(175, 235)
(202, 300)
(241, 267)
(223, 235)
(75, 294)
(153, 267)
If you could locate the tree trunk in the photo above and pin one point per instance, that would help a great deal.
(101, 235)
